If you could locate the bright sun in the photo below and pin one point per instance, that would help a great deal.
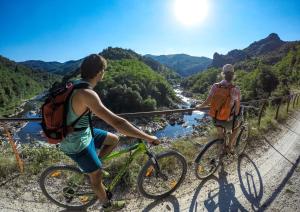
(191, 12)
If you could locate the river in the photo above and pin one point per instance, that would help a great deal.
(32, 130)
(189, 120)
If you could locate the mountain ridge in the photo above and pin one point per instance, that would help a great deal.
(260, 48)
(183, 64)
(110, 53)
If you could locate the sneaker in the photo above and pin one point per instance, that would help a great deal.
(113, 206)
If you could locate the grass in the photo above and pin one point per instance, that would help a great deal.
(186, 148)
(38, 158)
(268, 121)
(8, 163)
(35, 159)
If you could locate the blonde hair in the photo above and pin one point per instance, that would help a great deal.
(228, 72)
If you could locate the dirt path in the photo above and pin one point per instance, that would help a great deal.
(265, 179)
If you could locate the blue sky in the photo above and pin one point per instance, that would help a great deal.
(61, 30)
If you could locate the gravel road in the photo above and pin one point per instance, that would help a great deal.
(266, 177)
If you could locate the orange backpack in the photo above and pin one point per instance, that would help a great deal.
(220, 107)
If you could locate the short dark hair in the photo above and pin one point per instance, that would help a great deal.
(92, 65)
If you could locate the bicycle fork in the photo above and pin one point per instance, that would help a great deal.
(156, 166)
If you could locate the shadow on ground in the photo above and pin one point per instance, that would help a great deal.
(171, 204)
(217, 194)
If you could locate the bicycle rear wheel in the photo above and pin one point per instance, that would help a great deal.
(242, 138)
(209, 159)
(67, 187)
(157, 184)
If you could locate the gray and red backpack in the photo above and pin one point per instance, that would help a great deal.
(55, 111)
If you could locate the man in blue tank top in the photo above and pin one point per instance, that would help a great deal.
(80, 145)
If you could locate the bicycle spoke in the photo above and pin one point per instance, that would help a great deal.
(68, 188)
(159, 182)
(209, 160)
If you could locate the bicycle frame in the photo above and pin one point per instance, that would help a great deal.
(140, 148)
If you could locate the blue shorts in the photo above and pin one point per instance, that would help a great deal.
(88, 159)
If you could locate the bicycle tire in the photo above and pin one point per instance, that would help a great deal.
(53, 169)
(217, 143)
(241, 144)
(142, 175)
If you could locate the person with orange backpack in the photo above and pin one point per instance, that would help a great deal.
(224, 99)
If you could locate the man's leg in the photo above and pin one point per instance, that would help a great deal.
(98, 187)
(233, 136)
(110, 142)
(220, 132)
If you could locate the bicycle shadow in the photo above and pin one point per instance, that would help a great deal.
(251, 182)
(69, 210)
(170, 199)
(220, 195)
(254, 195)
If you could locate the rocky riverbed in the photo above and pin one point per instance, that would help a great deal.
(167, 127)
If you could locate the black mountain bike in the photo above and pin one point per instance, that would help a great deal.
(210, 157)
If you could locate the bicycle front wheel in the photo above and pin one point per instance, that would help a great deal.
(67, 187)
(157, 183)
(209, 159)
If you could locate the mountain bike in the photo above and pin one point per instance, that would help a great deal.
(210, 157)
(67, 186)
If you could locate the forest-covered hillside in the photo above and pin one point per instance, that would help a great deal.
(18, 83)
(129, 86)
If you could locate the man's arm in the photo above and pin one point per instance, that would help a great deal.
(93, 102)
(238, 102)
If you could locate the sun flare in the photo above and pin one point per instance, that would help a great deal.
(191, 12)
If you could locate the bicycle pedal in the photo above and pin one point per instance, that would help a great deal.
(109, 194)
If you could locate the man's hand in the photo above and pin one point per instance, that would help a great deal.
(154, 140)
(199, 107)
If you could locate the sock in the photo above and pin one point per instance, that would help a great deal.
(107, 204)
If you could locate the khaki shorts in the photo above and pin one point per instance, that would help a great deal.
(227, 125)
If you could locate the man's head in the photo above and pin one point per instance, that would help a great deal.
(93, 66)
(228, 72)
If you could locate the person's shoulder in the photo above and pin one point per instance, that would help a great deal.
(237, 89)
(216, 84)
(86, 93)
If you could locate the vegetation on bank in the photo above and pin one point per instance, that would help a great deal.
(18, 83)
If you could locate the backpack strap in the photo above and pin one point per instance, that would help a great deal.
(75, 122)
(91, 124)
(85, 85)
